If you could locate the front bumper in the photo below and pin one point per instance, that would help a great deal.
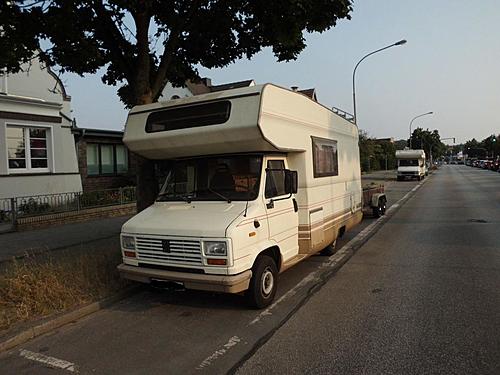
(214, 283)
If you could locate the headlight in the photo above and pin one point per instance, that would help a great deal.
(215, 248)
(128, 242)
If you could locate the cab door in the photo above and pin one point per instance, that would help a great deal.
(281, 209)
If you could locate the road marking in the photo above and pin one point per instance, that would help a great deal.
(290, 293)
(51, 361)
(334, 259)
(233, 341)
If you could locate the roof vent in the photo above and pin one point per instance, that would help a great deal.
(295, 88)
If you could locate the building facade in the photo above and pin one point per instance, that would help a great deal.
(103, 160)
(37, 148)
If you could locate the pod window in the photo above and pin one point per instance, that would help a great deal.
(325, 157)
(189, 116)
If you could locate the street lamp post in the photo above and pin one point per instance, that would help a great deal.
(416, 117)
(399, 43)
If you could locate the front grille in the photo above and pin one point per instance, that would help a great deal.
(172, 268)
(168, 251)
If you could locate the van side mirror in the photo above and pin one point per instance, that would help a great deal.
(291, 181)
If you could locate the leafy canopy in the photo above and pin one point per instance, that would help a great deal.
(143, 44)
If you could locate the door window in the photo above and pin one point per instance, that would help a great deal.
(275, 178)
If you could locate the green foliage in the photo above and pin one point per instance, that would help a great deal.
(143, 44)
(376, 154)
(488, 147)
(429, 141)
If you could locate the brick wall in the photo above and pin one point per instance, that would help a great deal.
(92, 183)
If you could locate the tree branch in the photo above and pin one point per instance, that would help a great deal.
(170, 46)
(113, 40)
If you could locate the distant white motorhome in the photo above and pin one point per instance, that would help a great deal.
(260, 178)
(411, 164)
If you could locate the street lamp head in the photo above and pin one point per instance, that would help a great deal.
(400, 43)
(430, 113)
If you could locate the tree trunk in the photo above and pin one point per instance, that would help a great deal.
(147, 184)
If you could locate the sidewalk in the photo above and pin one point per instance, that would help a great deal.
(379, 177)
(58, 237)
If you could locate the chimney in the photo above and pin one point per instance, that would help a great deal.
(206, 81)
(295, 88)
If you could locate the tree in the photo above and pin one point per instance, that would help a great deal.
(429, 141)
(143, 44)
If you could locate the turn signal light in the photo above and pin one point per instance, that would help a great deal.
(217, 262)
(129, 254)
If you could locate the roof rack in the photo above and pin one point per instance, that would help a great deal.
(349, 117)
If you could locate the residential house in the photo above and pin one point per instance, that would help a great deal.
(103, 160)
(37, 148)
(203, 87)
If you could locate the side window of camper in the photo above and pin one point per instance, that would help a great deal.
(275, 178)
(325, 157)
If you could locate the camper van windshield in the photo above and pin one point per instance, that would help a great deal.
(408, 163)
(230, 178)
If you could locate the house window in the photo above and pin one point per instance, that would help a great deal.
(325, 157)
(27, 149)
(106, 159)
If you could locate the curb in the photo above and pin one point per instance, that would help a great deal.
(334, 264)
(330, 268)
(52, 324)
(348, 250)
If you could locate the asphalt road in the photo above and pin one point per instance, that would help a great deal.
(422, 296)
(171, 332)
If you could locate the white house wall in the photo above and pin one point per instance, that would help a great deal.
(170, 92)
(35, 98)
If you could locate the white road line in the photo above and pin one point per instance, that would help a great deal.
(51, 361)
(336, 258)
(233, 341)
(291, 292)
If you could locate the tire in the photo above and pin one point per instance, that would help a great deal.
(330, 249)
(380, 209)
(264, 282)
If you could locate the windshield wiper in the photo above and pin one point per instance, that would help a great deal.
(220, 195)
(184, 197)
(212, 191)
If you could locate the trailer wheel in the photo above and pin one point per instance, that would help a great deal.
(330, 249)
(264, 282)
(380, 209)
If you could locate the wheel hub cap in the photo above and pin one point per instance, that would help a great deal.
(267, 282)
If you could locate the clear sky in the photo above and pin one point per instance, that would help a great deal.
(450, 65)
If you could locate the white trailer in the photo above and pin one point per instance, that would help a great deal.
(411, 164)
(231, 214)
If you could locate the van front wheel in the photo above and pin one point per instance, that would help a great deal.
(263, 283)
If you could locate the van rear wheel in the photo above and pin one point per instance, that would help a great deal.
(330, 249)
(264, 282)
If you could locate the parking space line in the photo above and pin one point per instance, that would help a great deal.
(233, 341)
(51, 361)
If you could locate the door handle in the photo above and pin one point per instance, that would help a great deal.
(295, 205)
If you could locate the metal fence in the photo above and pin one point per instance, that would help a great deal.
(13, 208)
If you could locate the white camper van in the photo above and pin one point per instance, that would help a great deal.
(411, 164)
(260, 178)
